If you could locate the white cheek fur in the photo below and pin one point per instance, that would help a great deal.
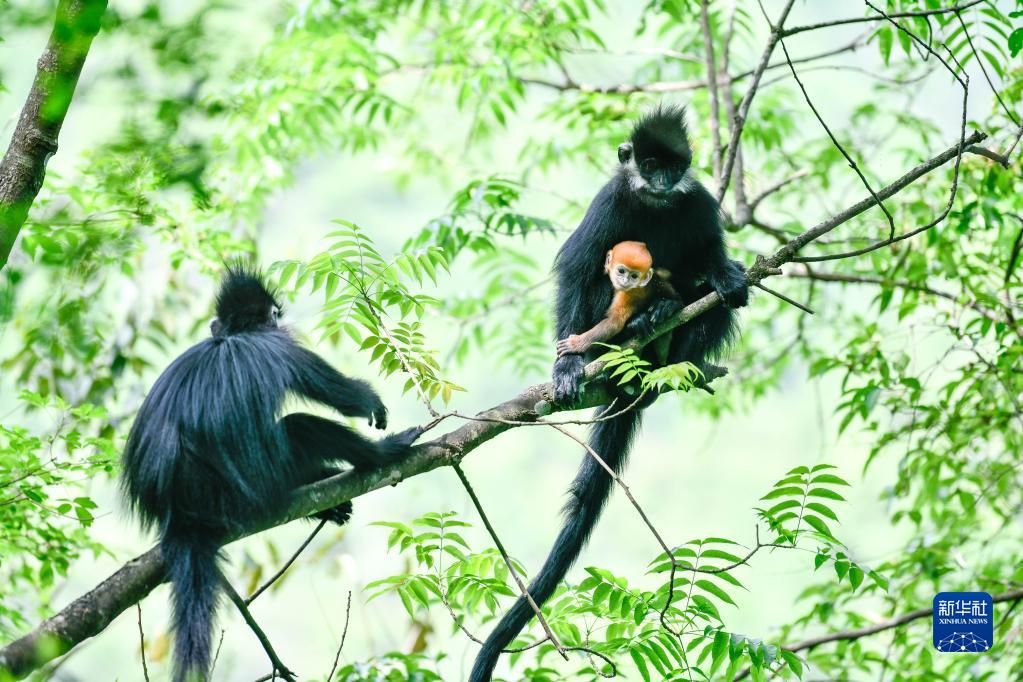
(636, 180)
(685, 183)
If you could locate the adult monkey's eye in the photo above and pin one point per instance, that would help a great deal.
(649, 165)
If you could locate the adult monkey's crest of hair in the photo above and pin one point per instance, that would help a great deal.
(662, 131)
(245, 300)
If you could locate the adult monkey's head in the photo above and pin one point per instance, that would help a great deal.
(657, 157)
(245, 303)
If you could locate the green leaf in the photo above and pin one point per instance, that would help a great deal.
(828, 478)
(714, 589)
(793, 661)
(783, 492)
(825, 493)
(1016, 42)
(822, 510)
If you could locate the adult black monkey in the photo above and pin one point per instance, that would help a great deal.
(653, 199)
(207, 455)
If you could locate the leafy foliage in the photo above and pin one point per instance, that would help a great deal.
(366, 299)
(44, 517)
(664, 638)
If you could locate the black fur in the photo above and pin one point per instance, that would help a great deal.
(208, 455)
(679, 221)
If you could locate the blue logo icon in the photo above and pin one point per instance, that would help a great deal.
(963, 622)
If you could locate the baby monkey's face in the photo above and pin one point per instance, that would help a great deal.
(624, 278)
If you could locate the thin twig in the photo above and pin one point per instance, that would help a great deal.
(1019, 134)
(838, 145)
(142, 643)
(344, 633)
(964, 81)
(680, 86)
(262, 588)
(771, 189)
(507, 560)
(275, 661)
(859, 20)
(1000, 159)
(460, 621)
(737, 123)
(1014, 252)
(712, 89)
(216, 656)
(895, 283)
(785, 298)
(983, 69)
(908, 80)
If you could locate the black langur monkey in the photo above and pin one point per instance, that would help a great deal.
(208, 455)
(652, 198)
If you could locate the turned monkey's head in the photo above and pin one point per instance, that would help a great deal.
(629, 265)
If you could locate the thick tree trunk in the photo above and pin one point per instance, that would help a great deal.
(35, 138)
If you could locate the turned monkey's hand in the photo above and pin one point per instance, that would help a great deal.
(573, 344)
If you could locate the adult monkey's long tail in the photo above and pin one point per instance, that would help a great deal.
(195, 584)
(589, 492)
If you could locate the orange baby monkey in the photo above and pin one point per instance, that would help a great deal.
(636, 283)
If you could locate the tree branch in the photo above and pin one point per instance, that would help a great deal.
(838, 145)
(737, 123)
(712, 86)
(894, 15)
(91, 613)
(889, 624)
(264, 641)
(922, 287)
(35, 137)
(681, 86)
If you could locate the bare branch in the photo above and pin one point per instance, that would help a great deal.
(142, 643)
(508, 562)
(792, 302)
(737, 123)
(35, 137)
(264, 641)
(686, 85)
(1001, 160)
(898, 284)
(964, 82)
(284, 569)
(771, 189)
(987, 77)
(895, 15)
(712, 86)
(838, 145)
(866, 631)
(344, 634)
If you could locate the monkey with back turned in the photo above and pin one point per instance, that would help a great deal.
(209, 455)
(654, 199)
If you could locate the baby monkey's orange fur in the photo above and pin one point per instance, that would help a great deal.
(636, 282)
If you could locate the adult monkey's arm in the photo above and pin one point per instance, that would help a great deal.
(35, 138)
